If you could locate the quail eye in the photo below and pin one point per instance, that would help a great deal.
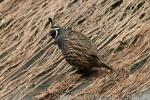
(54, 33)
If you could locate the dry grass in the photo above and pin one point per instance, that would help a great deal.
(29, 63)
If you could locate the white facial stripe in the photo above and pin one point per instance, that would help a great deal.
(56, 33)
(56, 28)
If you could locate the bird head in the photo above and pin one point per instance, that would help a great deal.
(57, 32)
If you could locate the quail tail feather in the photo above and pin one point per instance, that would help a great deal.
(103, 64)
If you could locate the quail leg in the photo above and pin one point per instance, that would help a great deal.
(85, 71)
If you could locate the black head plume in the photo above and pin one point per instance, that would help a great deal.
(51, 21)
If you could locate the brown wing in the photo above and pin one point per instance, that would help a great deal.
(82, 40)
(76, 49)
(87, 50)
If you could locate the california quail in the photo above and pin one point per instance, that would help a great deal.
(78, 50)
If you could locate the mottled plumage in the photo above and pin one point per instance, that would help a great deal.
(78, 50)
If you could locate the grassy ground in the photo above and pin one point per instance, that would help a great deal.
(31, 67)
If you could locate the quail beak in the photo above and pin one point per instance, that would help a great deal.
(50, 32)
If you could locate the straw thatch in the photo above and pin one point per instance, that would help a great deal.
(32, 68)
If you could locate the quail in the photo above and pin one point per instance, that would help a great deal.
(77, 49)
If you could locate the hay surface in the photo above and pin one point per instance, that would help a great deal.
(31, 67)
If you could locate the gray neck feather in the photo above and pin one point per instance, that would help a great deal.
(60, 41)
